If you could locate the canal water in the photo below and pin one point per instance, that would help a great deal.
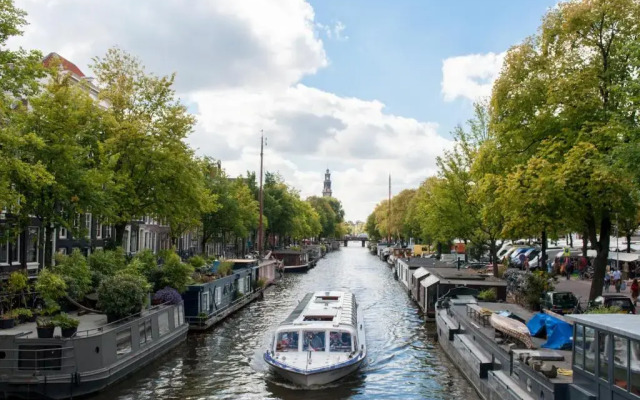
(404, 360)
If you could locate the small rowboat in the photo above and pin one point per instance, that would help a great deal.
(512, 328)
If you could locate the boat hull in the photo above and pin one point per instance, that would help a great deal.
(314, 377)
(296, 268)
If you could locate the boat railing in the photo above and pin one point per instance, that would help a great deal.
(200, 320)
(116, 324)
(42, 360)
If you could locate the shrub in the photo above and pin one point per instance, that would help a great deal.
(105, 263)
(65, 321)
(145, 262)
(122, 295)
(604, 310)
(167, 295)
(197, 262)
(15, 285)
(175, 273)
(23, 313)
(538, 283)
(74, 269)
(45, 322)
(51, 287)
(488, 295)
(261, 283)
(225, 268)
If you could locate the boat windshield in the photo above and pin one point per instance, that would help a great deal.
(340, 342)
(314, 341)
(287, 341)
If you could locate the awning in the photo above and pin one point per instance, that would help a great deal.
(429, 281)
(420, 272)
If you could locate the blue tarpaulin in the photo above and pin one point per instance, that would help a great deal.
(536, 325)
(559, 333)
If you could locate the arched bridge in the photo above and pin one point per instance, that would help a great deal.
(355, 238)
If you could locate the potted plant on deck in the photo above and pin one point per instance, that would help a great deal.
(23, 315)
(7, 320)
(45, 327)
(121, 296)
(68, 325)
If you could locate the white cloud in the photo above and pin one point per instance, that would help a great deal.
(470, 76)
(239, 67)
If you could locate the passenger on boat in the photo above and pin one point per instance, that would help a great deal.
(287, 341)
(314, 341)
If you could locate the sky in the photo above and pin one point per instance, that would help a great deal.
(365, 88)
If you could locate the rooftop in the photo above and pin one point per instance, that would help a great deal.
(66, 64)
(452, 275)
(622, 324)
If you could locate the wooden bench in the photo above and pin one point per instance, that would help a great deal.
(479, 313)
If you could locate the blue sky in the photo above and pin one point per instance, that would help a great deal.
(395, 49)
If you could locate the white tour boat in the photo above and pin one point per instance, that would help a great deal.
(321, 341)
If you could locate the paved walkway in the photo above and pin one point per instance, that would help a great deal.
(581, 288)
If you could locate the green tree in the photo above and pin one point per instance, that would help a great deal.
(569, 95)
(154, 171)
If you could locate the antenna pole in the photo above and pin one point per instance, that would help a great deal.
(260, 231)
(389, 214)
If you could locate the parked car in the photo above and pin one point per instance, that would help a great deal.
(560, 302)
(476, 265)
(615, 300)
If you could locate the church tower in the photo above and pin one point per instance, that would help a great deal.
(326, 192)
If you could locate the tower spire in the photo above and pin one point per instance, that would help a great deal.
(326, 191)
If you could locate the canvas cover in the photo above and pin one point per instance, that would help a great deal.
(559, 333)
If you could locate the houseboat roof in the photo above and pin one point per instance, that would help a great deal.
(288, 251)
(622, 324)
(328, 308)
(416, 262)
(452, 275)
(420, 272)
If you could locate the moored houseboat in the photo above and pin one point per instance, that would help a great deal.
(292, 260)
(98, 355)
(321, 341)
(583, 357)
(208, 303)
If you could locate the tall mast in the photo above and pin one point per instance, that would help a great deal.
(389, 214)
(260, 231)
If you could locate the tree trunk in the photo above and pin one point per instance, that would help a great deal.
(570, 240)
(119, 228)
(494, 256)
(466, 252)
(600, 263)
(585, 243)
(542, 260)
(628, 242)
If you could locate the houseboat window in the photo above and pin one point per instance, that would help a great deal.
(589, 349)
(620, 362)
(205, 302)
(340, 342)
(123, 342)
(578, 347)
(163, 323)
(176, 318)
(218, 293)
(287, 341)
(180, 314)
(39, 358)
(314, 341)
(634, 362)
(603, 360)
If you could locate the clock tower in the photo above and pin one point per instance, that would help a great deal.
(326, 192)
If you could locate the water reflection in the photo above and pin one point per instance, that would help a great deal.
(404, 361)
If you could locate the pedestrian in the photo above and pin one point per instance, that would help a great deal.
(607, 281)
(567, 267)
(582, 266)
(526, 263)
(617, 280)
(635, 288)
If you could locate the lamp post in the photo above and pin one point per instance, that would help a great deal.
(260, 230)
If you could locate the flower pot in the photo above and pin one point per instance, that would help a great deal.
(45, 332)
(7, 323)
(68, 332)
